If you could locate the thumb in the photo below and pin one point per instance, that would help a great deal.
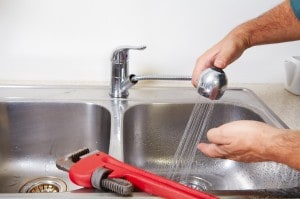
(223, 58)
(220, 62)
(228, 53)
(210, 150)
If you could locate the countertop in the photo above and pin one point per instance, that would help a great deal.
(283, 103)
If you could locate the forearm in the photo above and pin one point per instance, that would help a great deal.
(285, 148)
(277, 25)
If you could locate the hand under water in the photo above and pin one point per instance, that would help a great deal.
(246, 141)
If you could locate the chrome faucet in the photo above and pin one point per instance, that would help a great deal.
(121, 81)
(212, 81)
(119, 72)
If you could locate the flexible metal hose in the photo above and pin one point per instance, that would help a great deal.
(160, 77)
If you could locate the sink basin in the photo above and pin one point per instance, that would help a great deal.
(39, 124)
(152, 133)
(34, 134)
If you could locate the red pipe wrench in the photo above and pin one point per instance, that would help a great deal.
(80, 173)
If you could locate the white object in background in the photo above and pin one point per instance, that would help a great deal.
(292, 69)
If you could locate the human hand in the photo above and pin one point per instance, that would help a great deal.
(246, 141)
(222, 54)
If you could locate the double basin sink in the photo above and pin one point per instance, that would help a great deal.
(40, 124)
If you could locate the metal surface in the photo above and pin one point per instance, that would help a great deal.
(212, 83)
(121, 81)
(34, 134)
(44, 185)
(152, 133)
(66, 162)
(38, 124)
(135, 78)
(119, 70)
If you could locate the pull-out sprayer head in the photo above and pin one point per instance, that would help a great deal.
(212, 83)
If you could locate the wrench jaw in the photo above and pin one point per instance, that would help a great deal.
(82, 163)
(81, 172)
(65, 163)
(91, 172)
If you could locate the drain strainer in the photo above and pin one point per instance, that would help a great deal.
(197, 183)
(44, 185)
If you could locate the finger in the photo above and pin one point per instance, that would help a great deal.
(218, 136)
(211, 150)
(195, 76)
(196, 73)
(202, 63)
(222, 58)
(220, 63)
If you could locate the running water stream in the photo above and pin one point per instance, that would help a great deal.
(187, 148)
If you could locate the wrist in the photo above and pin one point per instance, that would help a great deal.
(242, 36)
(284, 148)
(274, 147)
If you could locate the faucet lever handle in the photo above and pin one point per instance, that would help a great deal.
(120, 55)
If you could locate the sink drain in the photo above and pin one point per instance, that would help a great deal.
(197, 183)
(44, 185)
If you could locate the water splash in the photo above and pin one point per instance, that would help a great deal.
(186, 151)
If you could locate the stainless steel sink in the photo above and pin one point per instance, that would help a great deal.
(34, 134)
(152, 133)
(39, 124)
